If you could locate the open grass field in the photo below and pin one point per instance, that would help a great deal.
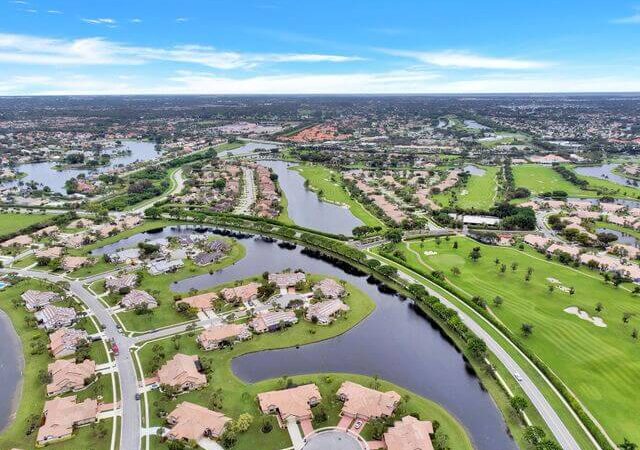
(238, 397)
(598, 364)
(479, 193)
(538, 178)
(329, 182)
(12, 222)
(33, 395)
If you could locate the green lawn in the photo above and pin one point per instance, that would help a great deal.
(538, 179)
(12, 222)
(479, 192)
(329, 182)
(598, 364)
(238, 397)
(33, 394)
(159, 286)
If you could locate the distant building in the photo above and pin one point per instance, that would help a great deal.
(117, 284)
(71, 263)
(287, 279)
(241, 293)
(162, 266)
(202, 302)
(324, 312)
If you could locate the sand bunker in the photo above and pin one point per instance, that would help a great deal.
(553, 280)
(430, 253)
(597, 321)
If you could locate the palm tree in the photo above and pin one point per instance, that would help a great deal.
(627, 445)
(526, 329)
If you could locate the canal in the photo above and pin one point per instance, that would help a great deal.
(305, 207)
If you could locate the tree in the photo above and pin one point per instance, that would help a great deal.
(548, 444)
(572, 290)
(627, 445)
(599, 307)
(455, 244)
(634, 334)
(533, 434)
(503, 268)
(477, 347)
(551, 288)
(475, 254)
(388, 271)
(518, 403)
(527, 329)
(498, 301)
(455, 270)
(394, 235)
(514, 266)
(626, 317)
(242, 423)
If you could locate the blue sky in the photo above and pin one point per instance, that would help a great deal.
(328, 46)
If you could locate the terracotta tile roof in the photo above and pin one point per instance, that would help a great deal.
(201, 301)
(62, 413)
(294, 402)
(181, 371)
(409, 434)
(68, 376)
(63, 342)
(360, 401)
(192, 422)
(245, 292)
(211, 337)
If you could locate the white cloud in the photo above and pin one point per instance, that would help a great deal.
(136, 20)
(467, 60)
(100, 21)
(632, 19)
(24, 49)
(54, 11)
(182, 19)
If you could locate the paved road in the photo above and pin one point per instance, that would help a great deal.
(131, 417)
(249, 193)
(179, 186)
(555, 424)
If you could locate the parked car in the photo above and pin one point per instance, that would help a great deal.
(358, 424)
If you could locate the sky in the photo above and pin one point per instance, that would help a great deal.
(81, 47)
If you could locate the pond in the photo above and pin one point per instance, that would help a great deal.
(472, 124)
(604, 172)
(248, 148)
(304, 206)
(11, 364)
(623, 238)
(474, 170)
(45, 174)
(396, 341)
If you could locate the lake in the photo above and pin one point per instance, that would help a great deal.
(304, 206)
(45, 174)
(11, 364)
(604, 172)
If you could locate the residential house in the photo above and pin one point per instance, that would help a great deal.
(47, 231)
(202, 302)
(364, 403)
(120, 283)
(216, 336)
(272, 320)
(63, 415)
(325, 311)
(292, 404)
(68, 376)
(191, 422)
(126, 256)
(329, 288)
(52, 317)
(536, 241)
(572, 250)
(49, 253)
(64, 341)
(159, 267)
(18, 241)
(71, 263)
(34, 300)
(287, 279)
(242, 293)
(137, 298)
(409, 433)
(182, 372)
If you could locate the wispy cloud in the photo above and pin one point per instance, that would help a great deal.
(54, 11)
(25, 49)
(100, 21)
(632, 19)
(136, 20)
(182, 19)
(466, 60)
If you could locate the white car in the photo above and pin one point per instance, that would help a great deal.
(358, 424)
(517, 376)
